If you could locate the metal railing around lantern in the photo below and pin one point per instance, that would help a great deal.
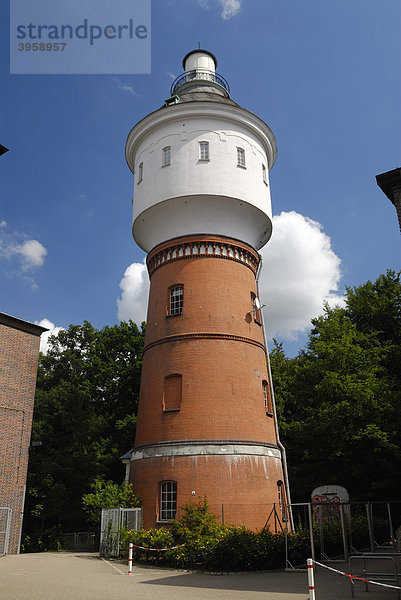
(199, 75)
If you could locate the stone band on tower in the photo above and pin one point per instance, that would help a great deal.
(206, 419)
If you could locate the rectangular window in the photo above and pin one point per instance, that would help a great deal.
(264, 172)
(168, 500)
(241, 157)
(176, 300)
(166, 156)
(140, 173)
(172, 392)
(203, 150)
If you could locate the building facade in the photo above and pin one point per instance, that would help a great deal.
(206, 422)
(19, 352)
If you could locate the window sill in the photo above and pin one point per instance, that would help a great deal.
(241, 167)
(167, 522)
(204, 160)
(269, 414)
(167, 165)
(177, 315)
(169, 410)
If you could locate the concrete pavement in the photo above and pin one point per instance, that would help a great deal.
(79, 576)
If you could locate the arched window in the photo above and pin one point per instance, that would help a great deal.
(203, 150)
(172, 393)
(168, 500)
(264, 173)
(140, 172)
(241, 158)
(176, 300)
(257, 317)
(166, 156)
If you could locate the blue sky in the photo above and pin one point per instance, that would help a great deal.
(325, 76)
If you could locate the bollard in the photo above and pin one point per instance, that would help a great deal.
(311, 579)
(130, 551)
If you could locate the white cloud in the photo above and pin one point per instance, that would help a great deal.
(300, 272)
(44, 338)
(125, 88)
(230, 8)
(29, 253)
(32, 252)
(135, 290)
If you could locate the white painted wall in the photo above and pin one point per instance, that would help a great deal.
(199, 60)
(195, 196)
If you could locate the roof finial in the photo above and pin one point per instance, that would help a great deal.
(198, 45)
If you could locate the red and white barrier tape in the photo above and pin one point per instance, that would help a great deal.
(311, 582)
(157, 549)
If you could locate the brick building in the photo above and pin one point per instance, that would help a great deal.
(206, 421)
(19, 352)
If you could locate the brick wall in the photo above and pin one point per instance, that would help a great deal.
(217, 347)
(19, 351)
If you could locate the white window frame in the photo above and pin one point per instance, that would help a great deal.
(168, 500)
(241, 162)
(176, 300)
(166, 156)
(204, 153)
(140, 172)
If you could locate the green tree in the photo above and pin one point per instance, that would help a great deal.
(85, 416)
(339, 398)
(107, 494)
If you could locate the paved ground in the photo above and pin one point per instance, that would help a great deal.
(62, 576)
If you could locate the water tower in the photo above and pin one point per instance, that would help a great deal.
(202, 210)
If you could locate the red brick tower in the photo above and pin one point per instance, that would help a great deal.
(19, 353)
(206, 421)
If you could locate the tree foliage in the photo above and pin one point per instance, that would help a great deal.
(107, 494)
(85, 416)
(339, 398)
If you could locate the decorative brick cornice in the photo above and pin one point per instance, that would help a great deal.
(202, 246)
(203, 336)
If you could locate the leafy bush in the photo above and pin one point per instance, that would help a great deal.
(198, 542)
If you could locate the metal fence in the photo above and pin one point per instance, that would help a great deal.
(81, 541)
(113, 520)
(5, 524)
(337, 531)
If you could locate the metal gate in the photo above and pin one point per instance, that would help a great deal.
(5, 524)
(113, 520)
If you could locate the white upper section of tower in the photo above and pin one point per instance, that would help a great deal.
(201, 164)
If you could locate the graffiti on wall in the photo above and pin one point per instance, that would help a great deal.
(326, 501)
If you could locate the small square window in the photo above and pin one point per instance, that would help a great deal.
(203, 150)
(166, 156)
(140, 172)
(176, 300)
(241, 158)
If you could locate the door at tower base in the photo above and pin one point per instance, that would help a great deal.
(242, 483)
